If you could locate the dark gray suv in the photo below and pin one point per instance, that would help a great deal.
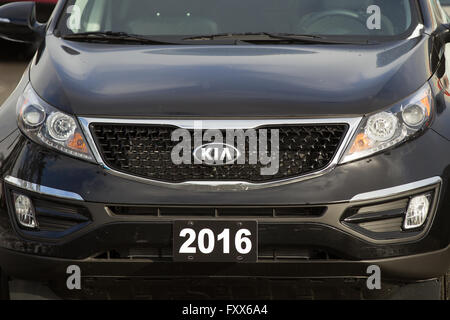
(235, 139)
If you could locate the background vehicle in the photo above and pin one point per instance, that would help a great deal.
(86, 142)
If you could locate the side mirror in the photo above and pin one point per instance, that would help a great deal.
(18, 23)
(443, 33)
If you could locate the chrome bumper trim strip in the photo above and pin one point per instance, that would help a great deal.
(42, 189)
(377, 194)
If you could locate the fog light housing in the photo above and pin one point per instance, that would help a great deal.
(417, 213)
(25, 211)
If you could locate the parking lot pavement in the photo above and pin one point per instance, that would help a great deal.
(10, 73)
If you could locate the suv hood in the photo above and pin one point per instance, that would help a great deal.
(228, 81)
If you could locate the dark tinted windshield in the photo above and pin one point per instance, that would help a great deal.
(367, 18)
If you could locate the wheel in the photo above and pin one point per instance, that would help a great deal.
(4, 286)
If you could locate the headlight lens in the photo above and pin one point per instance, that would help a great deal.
(33, 115)
(386, 129)
(48, 126)
(61, 126)
(381, 127)
(414, 115)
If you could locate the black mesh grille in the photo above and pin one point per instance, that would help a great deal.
(145, 151)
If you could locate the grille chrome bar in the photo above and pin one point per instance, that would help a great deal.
(352, 123)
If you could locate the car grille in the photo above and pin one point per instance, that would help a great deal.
(145, 151)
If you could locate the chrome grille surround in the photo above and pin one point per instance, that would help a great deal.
(190, 124)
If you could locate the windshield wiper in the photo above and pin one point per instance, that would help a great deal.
(267, 36)
(220, 38)
(114, 37)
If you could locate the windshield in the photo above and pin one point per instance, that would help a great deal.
(343, 18)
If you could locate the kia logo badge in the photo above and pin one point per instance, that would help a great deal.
(216, 154)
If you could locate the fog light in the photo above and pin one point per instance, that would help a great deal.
(417, 213)
(25, 211)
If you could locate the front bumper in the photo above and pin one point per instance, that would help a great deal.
(408, 268)
(321, 246)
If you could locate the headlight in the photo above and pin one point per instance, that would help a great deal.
(48, 126)
(386, 129)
